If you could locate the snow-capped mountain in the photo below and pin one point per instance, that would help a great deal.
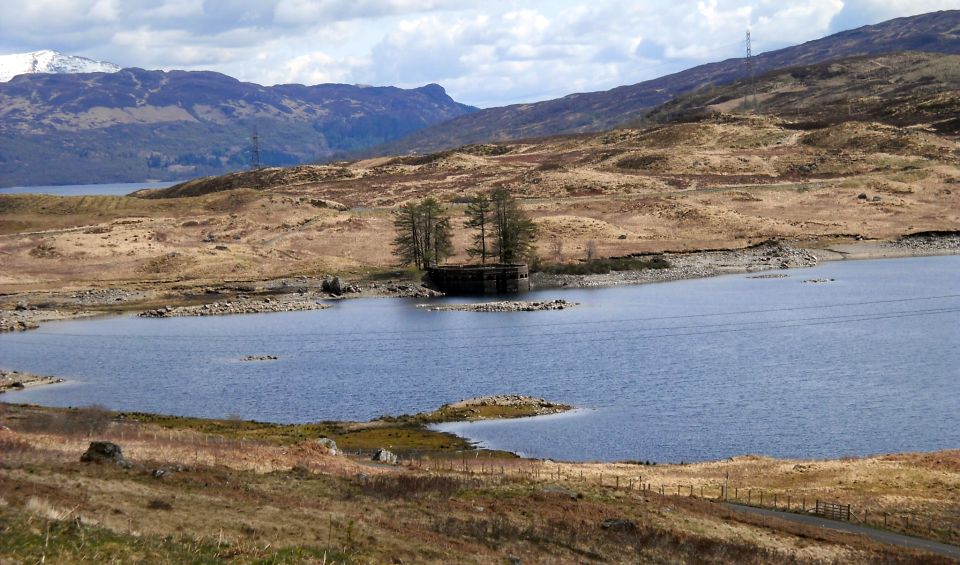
(47, 61)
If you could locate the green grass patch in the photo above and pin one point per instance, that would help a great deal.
(395, 434)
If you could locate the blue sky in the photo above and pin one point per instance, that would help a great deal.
(485, 53)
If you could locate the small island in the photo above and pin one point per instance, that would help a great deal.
(499, 406)
(502, 306)
(15, 380)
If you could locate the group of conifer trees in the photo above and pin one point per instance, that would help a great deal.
(503, 232)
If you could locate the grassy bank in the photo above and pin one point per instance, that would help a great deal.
(209, 491)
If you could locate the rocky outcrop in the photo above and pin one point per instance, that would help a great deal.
(12, 325)
(384, 456)
(503, 306)
(619, 525)
(494, 407)
(329, 444)
(105, 452)
(15, 380)
(337, 287)
(233, 307)
(259, 358)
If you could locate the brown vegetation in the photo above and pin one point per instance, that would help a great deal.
(722, 183)
(218, 499)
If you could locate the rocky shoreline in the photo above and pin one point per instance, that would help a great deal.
(693, 265)
(493, 407)
(15, 380)
(27, 310)
(502, 306)
(233, 307)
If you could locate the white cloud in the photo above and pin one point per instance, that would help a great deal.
(856, 13)
(484, 53)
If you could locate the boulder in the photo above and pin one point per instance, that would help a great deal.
(333, 286)
(384, 456)
(105, 452)
(329, 444)
(619, 525)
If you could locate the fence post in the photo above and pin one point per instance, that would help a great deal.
(774, 501)
(750, 496)
(761, 498)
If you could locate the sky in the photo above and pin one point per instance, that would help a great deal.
(485, 53)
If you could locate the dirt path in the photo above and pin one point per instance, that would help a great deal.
(882, 536)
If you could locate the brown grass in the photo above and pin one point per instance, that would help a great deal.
(296, 497)
(685, 186)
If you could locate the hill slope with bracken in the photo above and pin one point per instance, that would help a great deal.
(902, 89)
(721, 183)
(937, 32)
(134, 124)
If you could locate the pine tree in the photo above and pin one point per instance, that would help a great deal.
(479, 217)
(514, 233)
(424, 233)
(407, 245)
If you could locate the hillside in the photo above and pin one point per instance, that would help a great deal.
(135, 125)
(231, 491)
(723, 183)
(903, 89)
(937, 32)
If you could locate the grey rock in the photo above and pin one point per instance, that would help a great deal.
(105, 452)
(619, 525)
(329, 444)
(21, 306)
(336, 286)
(384, 456)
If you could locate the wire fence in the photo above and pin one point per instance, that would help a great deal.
(478, 465)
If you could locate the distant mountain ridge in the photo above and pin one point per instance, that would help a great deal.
(937, 32)
(53, 62)
(134, 125)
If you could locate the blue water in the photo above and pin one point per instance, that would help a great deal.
(682, 371)
(121, 189)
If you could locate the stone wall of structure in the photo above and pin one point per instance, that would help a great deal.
(481, 279)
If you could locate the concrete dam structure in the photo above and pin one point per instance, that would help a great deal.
(481, 279)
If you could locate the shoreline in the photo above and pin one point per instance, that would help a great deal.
(28, 310)
(17, 380)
